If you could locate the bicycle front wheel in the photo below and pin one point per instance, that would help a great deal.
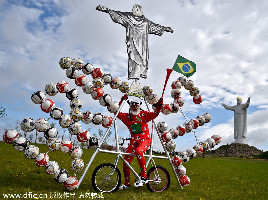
(106, 178)
(159, 179)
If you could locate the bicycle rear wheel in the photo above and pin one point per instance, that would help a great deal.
(106, 178)
(159, 179)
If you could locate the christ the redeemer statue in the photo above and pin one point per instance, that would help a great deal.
(240, 119)
(137, 29)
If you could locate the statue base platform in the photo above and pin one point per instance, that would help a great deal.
(239, 141)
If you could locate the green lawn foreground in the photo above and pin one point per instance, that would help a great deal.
(211, 178)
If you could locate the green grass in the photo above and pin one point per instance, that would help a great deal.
(211, 178)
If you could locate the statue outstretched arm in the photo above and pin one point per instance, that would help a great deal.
(168, 29)
(245, 106)
(228, 107)
(102, 8)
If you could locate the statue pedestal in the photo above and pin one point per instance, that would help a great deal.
(239, 141)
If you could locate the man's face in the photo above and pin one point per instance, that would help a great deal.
(137, 10)
(134, 109)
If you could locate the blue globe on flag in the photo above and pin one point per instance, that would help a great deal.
(186, 68)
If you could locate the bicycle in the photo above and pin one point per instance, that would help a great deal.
(107, 177)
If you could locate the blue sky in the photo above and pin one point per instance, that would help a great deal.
(226, 39)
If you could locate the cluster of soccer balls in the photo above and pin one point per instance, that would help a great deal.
(61, 175)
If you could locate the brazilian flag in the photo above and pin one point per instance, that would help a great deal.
(184, 66)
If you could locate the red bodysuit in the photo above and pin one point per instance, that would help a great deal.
(140, 138)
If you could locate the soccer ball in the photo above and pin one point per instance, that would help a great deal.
(97, 73)
(115, 83)
(152, 98)
(73, 93)
(98, 82)
(201, 120)
(97, 93)
(124, 87)
(205, 145)
(71, 183)
(113, 107)
(87, 117)
(77, 165)
(198, 148)
(72, 72)
(217, 138)
(211, 142)
(147, 90)
(76, 115)
(182, 130)
(51, 89)
(184, 156)
(74, 128)
(176, 161)
(65, 121)
(47, 105)
(176, 85)
(78, 63)
(27, 125)
(181, 170)
(88, 87)
(51, 133)
(38, 97)
(107, 121)
(31, 151)
(66, 146)
(191, 153)
(97, 118)
(52, 167)
(170, 146)
(162, 127)
(63, 86)
(194, 123)
(174, 107)
(174, 133)
(76, 152)
(184, 180)
(194, 91)
(166, 137)
(76, 103)
(61, 175)
(83, 136)
(179, 101)
(80, 80)
(197, 99)
(175, 93)
(93, 141)
(107, 78)
(189, 85)
(56, 113)
(87, 68)
(41, 159)
(41, 125)
(207, 117)
(10, 135)
(182, 80)
(166, 109)
(65, 62)
(105, 100)
(188, 127)
(54, 144)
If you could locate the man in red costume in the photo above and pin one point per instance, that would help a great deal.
(137, 123)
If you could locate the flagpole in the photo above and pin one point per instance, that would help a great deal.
(169, 71)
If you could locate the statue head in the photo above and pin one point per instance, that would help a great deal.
(137, 10)
(239, 100)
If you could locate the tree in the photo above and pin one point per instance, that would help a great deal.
(2, 112)
(101, 134)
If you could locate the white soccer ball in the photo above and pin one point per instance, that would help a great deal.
(124, 87)
(115, 83)
(182, 80)
(51, 133)
(152, 98)
(205, 145)
(207, 117)
(88, 87)
(162, 127)
(189, 85)
(107, 78)
(191, 153)
(65, 62)
(52, 167)
(73, 93)
(98, 82)
(76, 114)
(54, 144)
(76, 103)
(77, 165)
(175, 93)
(51, 89)
(38, 97)
(201, 120)
(194, 91)
(184, 156)
(147, 90)
(76, 152)
(41, 125)
(88, 68)
(97, 118)
(113, 107)
(181, 171)
(170, 146)
(72, 72)
(174, 133)
(31, 151)
(211, 143)
(56, 113)
(174, 107)
(65, 121)
(74, 128)
(105, 100)
(87, 117)
(78, 63)
(27, 125)
(61, 175)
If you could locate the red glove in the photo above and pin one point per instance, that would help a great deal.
(125, 97)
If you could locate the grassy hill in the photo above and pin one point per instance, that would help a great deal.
(211, 177)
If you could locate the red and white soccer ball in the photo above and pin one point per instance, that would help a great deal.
(162, 126)
(115, 83)
(71, 183)
(107, 121)
(47, 105)
(191, 153)
(113, 107)
(182, 130)
(66, 146)
(152, 98)
(76, 152)
(217, 138)
(88, 68)
(10, 135)
(166, 137)
(77, 165)
(179, 101)
(198, 148)
(174, 133)
(181, 170)
(197, 99)
(38, 97)
(184, 181)
(175, 93)
(97, 93)
(52, 167)
(41, 159)
(176, 160)
(166, 109)
(87, 117)
(65, 121)
(63, 86)
(80, 80)
(176, 85)
(194, 123)
(83, 136)
(97, 73)
(41, 125)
